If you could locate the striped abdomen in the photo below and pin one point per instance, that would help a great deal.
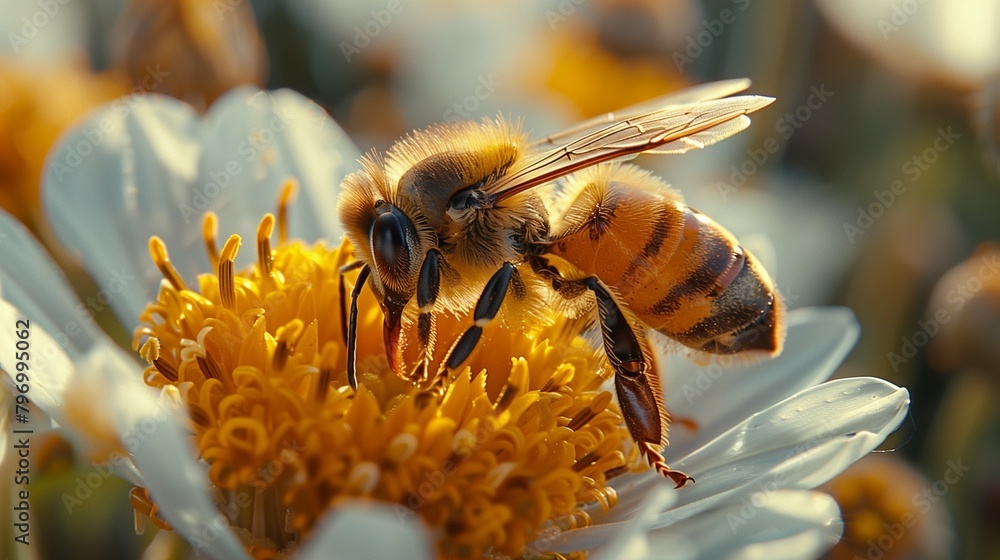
(680, 272)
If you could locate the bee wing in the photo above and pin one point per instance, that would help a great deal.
(671, 130)
(691, 95)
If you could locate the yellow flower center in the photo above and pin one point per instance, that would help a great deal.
(875, 501)
(520, 441)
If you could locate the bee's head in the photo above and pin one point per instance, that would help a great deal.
(421, 195)
(387, 236)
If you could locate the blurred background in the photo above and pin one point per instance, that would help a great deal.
(872, 182)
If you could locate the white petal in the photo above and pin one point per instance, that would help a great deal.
(799, 443)
(841, 406)
(156, 436)
(6, 398)
(153, 435)
(50, 379)
(91, 191)
(272, 136)
(149, 165)
(783, 524)
(626, 539)
(50, 368)
(718, 397)
(364, 530)
(32, 283)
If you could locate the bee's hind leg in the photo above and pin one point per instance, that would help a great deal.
(636, 381)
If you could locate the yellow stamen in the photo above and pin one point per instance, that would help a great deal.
(158, 251)
(286, 337)
(606, 496)
(259, 358)
(145, 508)
(227, 264)
(209, 232)
(265, 260)
(289, 190)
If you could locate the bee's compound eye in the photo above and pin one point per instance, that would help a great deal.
(389, 242)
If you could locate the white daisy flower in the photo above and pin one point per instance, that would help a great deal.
(234, 419)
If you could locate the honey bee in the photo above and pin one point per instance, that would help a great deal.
(453, 217)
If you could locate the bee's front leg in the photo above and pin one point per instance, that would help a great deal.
(350, 327)
(349, 267)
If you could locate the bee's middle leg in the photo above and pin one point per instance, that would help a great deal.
(487, 307)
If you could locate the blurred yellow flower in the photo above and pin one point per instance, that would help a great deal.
(596, 81)
(966, 307)
(890, 511)
(36, 103)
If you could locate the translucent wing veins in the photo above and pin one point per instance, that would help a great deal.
(674, 129)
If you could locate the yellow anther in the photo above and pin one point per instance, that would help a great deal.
(286, 337)
(227, 260)
(265, 259)
(285, 199)
(158, 251)
(209, 231)
(145, 508)
(150, 350)
(601, 401)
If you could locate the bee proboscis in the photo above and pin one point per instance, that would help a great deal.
(466, 216)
